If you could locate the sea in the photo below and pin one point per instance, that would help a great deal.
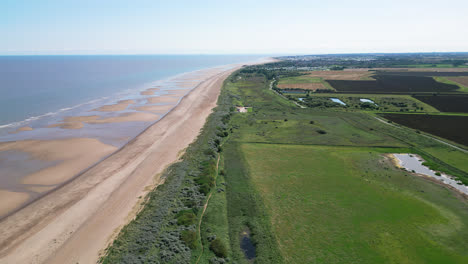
(35, 88)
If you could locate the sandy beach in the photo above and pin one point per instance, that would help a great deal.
(73, 223)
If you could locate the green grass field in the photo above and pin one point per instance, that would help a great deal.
(299, 79)
(348, 205)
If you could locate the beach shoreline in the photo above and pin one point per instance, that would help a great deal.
(56, 228)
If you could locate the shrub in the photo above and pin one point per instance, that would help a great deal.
(322, 132)
(311, 122)
(186, 218)
(190, 238)
(218, 248)
(438, 173)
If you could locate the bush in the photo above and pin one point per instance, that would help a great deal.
(311, 122)
(186, 218)
(218, 248)
(190, 238)
(322, 132)
(438, 174)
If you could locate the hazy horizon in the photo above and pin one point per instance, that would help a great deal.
(53, 27)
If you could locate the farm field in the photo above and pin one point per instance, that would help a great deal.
(435, 73)
(450, 127)
(446, 103)
(460, 80)
(341, 75)
(393, 84)
(303, 82)
(350, 205)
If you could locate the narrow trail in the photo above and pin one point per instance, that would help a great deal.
(271, 88)
(204, 209)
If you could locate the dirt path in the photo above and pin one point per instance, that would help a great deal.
(73, 223)
(271, 88)
(204, 209)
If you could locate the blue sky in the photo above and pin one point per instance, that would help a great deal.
(226, 27)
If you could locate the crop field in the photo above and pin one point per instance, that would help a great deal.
(445, 126)
(350, 205)
(425, 73)
(302, 86)
(393, 84)
(446, 103)
(460, 80)
(341, 75)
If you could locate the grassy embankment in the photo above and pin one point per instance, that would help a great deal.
(329, 193)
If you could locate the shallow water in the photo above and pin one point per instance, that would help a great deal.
(364, 100)
(336, 100)
(413, 162)
(247, 245)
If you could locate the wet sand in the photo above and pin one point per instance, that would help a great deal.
(76, 122)
(163, 99)
(178, 92)
(73, 155)
(119, 106)
(155, 108)
(26, 128)
(149, 91)
(11, 200)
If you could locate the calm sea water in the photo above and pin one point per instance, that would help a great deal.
(31, 86)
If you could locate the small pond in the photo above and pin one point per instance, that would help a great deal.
(336, 100)
(412, 162)
(247, 246)
(364, 100)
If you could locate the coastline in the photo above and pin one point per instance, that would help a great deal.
(57, 227)
(112, 124)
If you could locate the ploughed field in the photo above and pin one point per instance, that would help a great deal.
(393, 84)
(446, 103)
(446, 126)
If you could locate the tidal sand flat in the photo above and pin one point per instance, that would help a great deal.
(121, 105)
(155, 108)
(163, 99)
(11, 200)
